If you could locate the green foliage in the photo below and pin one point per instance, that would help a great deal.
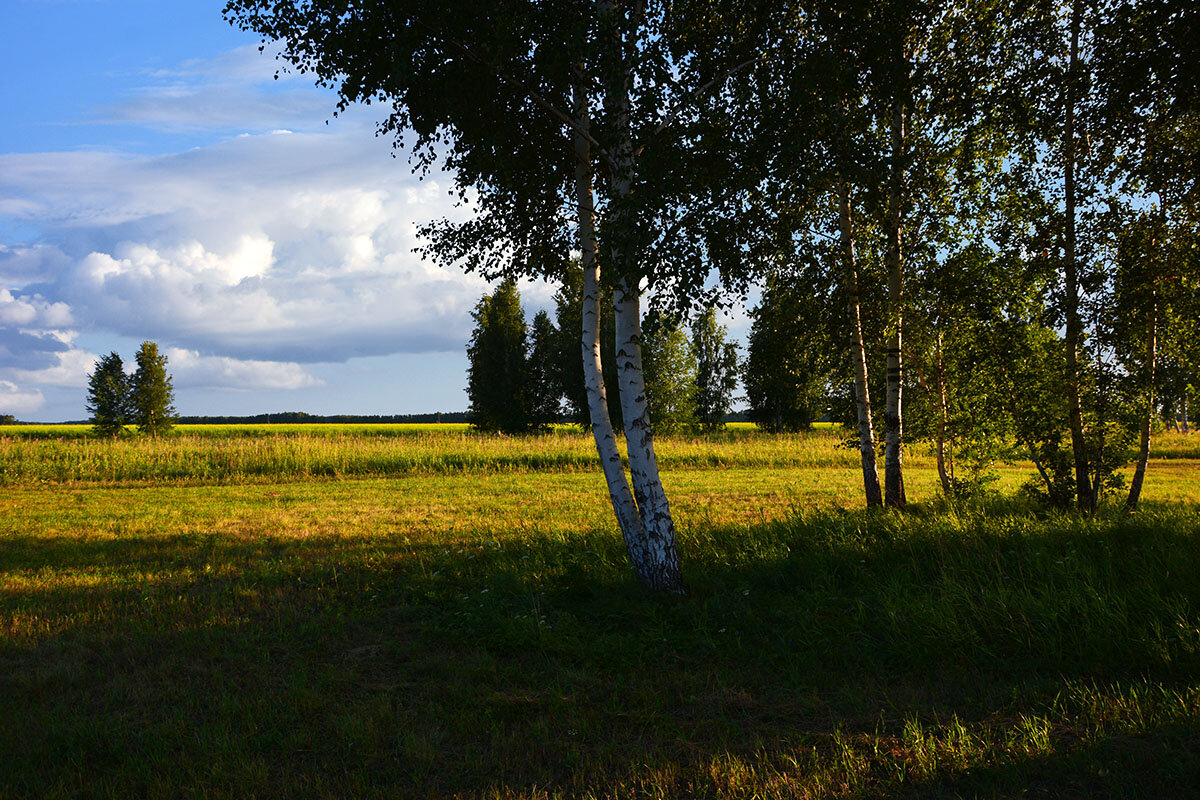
(669, 363)
(109, 397)
(543, 391)
(151, 397)
(497, 371)
(568, 308)
(789, 360)
(717, 370)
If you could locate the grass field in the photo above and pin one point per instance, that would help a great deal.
(421, 612)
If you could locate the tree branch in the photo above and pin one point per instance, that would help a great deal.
(675, 110)
(571, 122)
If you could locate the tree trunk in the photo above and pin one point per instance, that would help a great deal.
(1101, 418)
(655, 559)
(593, 373)
(1084, 496)
(1183, 417)
(947, 483)
(858, 355)
(1139, 472)
(893, 476)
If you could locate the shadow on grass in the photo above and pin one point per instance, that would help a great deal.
(833, 654)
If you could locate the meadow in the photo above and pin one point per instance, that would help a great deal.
(420, 611)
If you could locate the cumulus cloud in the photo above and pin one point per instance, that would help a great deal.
(17, 401)
(282, 243)
(189, 369)
(275, 247)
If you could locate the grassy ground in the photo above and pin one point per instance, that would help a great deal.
(468, 627)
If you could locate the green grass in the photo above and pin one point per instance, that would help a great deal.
(228, 453)
(475, 632)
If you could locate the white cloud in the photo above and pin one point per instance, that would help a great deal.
(17, 401)
(70, 368)
(292, 248)
(32, 312)
(236, 90)
(282, 243)
(22, 265)
(189, 369)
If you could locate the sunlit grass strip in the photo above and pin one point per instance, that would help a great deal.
(215, 459)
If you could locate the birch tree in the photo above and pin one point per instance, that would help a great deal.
(527, 104)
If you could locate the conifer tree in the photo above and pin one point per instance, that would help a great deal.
(542, 387)
(496, 375)
(152, 396)
(108, 398)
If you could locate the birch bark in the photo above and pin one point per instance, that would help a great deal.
(602, 430)
(1139, 472)
(858, 355)
(656, 558)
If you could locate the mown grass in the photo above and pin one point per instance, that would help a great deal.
(477, 634)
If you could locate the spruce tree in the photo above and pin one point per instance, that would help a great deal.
(542, 388)
(108, 398)
(716, 370)
(152, 396)
(497, 369)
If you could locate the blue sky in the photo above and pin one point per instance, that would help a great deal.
(157, 182)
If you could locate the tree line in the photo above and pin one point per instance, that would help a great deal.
(145, 398)
(991, 207)
(526, 377)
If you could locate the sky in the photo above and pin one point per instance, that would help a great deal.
(157, 182)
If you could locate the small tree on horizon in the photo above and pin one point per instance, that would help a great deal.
(496, 372)
(788, 359)
(716, 370)
(542, 387)
(108, 397)
(670, 366)
(152, 396)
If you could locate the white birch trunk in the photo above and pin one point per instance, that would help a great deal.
(1139, 472)
(858, 355)
(593, 373)
(655, 559)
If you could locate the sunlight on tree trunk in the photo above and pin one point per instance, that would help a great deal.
(602, 429)
(657, 563)
(1139, 472)
(858, 355)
